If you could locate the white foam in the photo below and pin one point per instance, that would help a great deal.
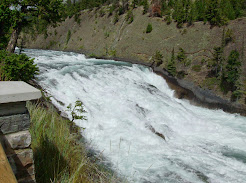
(124, 100)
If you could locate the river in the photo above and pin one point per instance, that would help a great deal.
(142, 130)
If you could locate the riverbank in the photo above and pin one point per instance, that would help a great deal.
(59, 153)
(99, 37)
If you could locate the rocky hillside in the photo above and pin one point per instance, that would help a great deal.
(100, 35)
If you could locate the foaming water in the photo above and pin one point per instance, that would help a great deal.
(145, 133)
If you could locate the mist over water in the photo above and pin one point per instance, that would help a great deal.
(134, 121)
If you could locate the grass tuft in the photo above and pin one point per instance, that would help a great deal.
(58, 155)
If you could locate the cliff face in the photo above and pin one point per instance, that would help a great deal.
(99, 36)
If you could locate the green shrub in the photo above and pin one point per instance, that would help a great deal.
(168, 19)
(145, 6)
(111, 10)
(106, 34)
(68, 36)
(116, 18)
(121, 10)
(233, 69)
(181, 57)
(112, 52)
(210, 83)
(158, 58)
(92, 55)
(181, 74)
(16, 67)
(77, 18)
(228, 36)
(129, 17)
(102, 12)
(149, 28)
(196, 68)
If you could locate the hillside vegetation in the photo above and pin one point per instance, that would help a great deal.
(210, 56)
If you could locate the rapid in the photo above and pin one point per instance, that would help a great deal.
(136, 123)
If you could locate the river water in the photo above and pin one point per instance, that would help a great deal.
(134, 121)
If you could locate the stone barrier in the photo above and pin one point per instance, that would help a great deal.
(14, 127)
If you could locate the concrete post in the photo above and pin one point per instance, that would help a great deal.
(14, 127)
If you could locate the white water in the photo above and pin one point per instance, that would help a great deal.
(122, 100)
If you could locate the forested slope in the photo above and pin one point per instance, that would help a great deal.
(209, 53)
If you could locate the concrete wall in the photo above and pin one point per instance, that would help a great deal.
(14, 128)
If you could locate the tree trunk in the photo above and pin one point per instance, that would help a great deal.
(13, 40)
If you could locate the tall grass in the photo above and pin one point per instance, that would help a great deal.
(58, 155)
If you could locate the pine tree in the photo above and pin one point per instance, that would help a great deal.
(171, 68)
(181, 57)
(200, 7)
(227, 9)
(233, 69)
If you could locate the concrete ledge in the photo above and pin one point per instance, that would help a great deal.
(17, 91)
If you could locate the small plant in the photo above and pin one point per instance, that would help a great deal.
(92, 55)
(106, 34)
(228, 36)
(77, 18)
(116, 18)
(45, 34)
(149, 28)
(68, 36)
(51, 44)
(77, 111)
(168, 19)
(196, 68)
(203, 61)
(129, 17)
(101, 12)
(181, 74)
(111, 10)
(210, 83)
(121, 10)
(145, 6)
(184, 32)
(112, 52)
(158, 58)
(156, 10)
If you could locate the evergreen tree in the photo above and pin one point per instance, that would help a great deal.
(181, 57)
(158, 58)
(213, 13)
(6, 16)
(24, 12)
(216, 64)
(233, 69)
(192, 17)
(227, 9)
(200, 7)
(145, 6)
(171, 68)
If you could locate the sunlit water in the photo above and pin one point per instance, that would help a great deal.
(126, 103)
